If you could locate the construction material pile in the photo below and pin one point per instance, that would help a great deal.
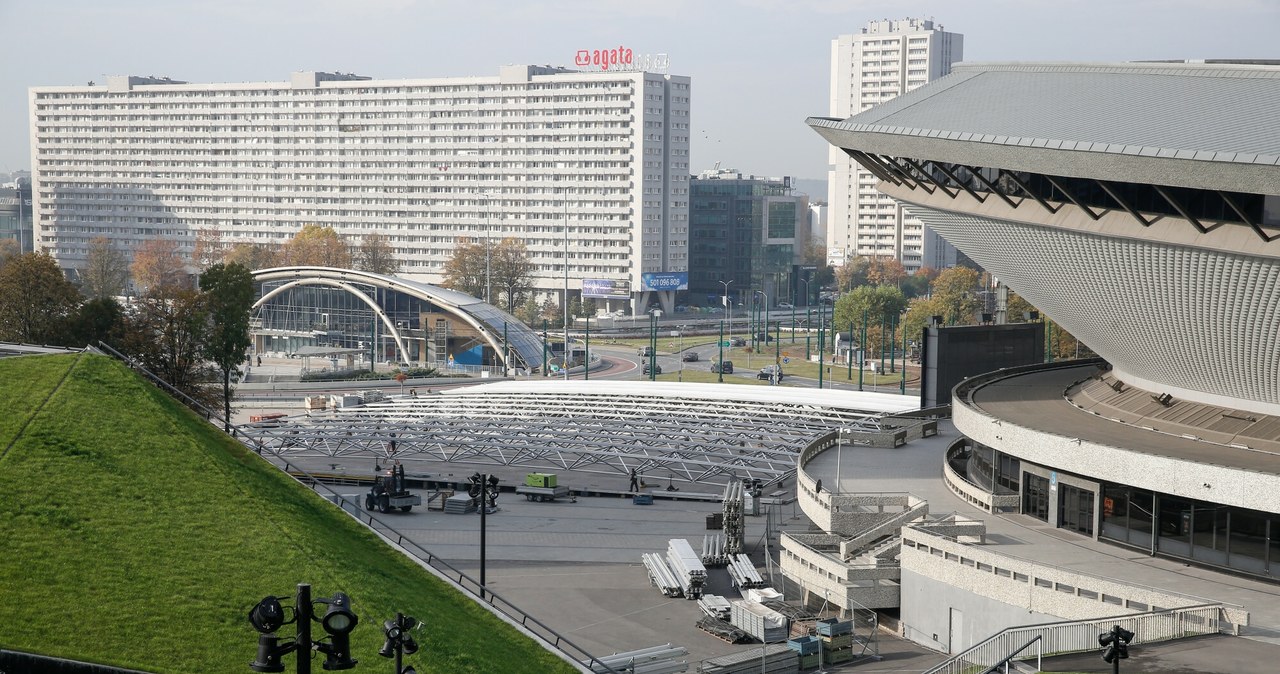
(743, 573)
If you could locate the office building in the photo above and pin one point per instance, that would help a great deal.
(15, 213)
(746, 234)
(886, 59)
(588, 168)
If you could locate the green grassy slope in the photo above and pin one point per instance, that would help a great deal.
(137, 535)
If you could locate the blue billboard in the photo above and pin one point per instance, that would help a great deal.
(665, 280)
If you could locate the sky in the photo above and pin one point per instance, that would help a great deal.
(758, 67)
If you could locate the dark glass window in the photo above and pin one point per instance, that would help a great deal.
(1075, 509)
(1035, 496)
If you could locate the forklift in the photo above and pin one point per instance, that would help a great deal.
(389, 492)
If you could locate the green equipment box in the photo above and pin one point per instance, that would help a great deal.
(546, 480)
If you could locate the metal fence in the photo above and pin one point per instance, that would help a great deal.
(1082, 635)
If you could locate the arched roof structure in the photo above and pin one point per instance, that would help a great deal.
(489, 321)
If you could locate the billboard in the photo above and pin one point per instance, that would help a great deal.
(665, 280)
(606, 288)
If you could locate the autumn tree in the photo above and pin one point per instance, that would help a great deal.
(885, 271)
(37, 302)
(227, 295)
(512, 271)
(917, 284)
(251, 256)
(209, 248)
(316, 246)
(852, 273)
(158, 268)
(465, 271)
(106, 270)
(377, 256)
(955, 295)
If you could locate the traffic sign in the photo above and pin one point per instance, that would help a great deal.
(786, 360)
(726, 343)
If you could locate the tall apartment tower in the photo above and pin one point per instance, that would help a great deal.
(588, 169)
(888, 58)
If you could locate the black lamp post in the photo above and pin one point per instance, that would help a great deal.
(338, 621)
(1116, 643)
(483, 487)
(399, 643)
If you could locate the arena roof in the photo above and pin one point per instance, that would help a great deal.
(1141, 119)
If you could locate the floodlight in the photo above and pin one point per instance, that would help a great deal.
(338, 621)
(267, 616)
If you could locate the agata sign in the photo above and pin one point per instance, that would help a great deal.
(618, 58)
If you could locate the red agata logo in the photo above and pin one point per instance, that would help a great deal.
(604, 58)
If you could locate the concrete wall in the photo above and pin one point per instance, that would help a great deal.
(927, 611)
(1167, 475)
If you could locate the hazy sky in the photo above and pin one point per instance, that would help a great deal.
(759, 67)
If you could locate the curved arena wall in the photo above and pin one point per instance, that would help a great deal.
(1199, 324)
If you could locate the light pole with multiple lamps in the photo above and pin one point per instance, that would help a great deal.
(338, 621)
(728, 302)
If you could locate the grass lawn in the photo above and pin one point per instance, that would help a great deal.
(137, 535)
(666, 343)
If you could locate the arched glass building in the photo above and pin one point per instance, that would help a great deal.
(390, 318)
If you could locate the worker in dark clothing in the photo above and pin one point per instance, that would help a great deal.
(635, 480)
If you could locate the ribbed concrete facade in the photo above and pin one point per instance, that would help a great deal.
(426, 162)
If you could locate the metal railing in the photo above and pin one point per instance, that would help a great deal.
(1076, 636)
(457, 578)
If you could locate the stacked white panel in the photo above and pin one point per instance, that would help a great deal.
(687, 566)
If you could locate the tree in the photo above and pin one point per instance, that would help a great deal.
(209, 248)
(955, 295)
(465, 270)
(158, 268)
(917, 284)
(316, 246)
(37, 302)
(251, 256)
(165, 333)
(512, 271)
(885, 271)
(106, 270)
(9, 249)
(852, 273)
(882, 306)
(377, 256)
(99, 320)
(227, 294)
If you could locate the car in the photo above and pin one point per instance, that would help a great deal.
(738, 341)
(767, 373)
(619, 313)
(764, 337)
(722, 367)
(786, 305)
(645, 351)
(657, 369)
(690, 357)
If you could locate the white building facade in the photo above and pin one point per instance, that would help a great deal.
(887, 58)
(587, 168)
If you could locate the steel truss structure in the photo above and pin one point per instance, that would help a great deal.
(702, 434)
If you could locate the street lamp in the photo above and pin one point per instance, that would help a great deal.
(725, 300)
(483, 487)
